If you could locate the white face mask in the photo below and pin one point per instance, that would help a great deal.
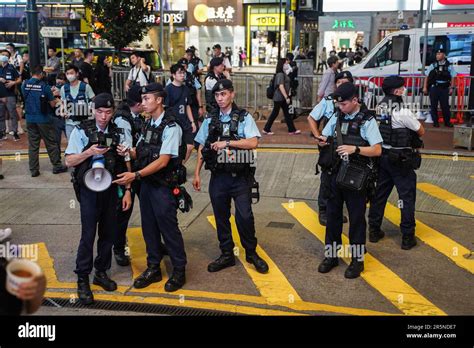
(71, 78)
(3, 59)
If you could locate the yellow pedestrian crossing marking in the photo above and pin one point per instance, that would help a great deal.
(273, 286)
(450, 198)
(435, 239)
(376, 274)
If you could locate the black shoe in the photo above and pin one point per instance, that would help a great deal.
(345, 220)
(151, 275)
(322, 217)
(408, 241)
(436, 125)
(122, 259)
(375, 235)
(102, 279)
(354, 270)
(449, 125)
(260, 265)
(35, 173)
(84, 290)
(16, 137)
(59, 170)
(176, 281)
(224, 261)
(328, 264)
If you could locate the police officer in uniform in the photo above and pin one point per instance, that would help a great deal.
(39, 101)
(91, 141)
(317, 119)
(194, 86)
(229, 129)
(400, 132)
(159, 154)
(361, 141)
(215, 74)
(440, 77)
(131, 123)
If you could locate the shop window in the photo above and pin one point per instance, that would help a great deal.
(382, 57)
(457, 46)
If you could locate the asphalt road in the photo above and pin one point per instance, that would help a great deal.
(434, 278)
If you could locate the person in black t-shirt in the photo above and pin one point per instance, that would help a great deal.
(87, 72)
(178, 98)
(30, 295)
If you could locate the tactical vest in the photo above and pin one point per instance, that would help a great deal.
(80, 99)
(440, 75)
(211, 103)
(396, 137)
(228, 159)
(35, 98)
(148, 150)
(114, 163)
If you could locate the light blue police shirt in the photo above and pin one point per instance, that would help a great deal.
(369, 130)
(323, 108)
(246, 129)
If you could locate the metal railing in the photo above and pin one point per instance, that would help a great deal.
(251, 92)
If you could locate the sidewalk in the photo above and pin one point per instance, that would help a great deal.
(437, 140)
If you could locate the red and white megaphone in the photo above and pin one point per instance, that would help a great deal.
(98, 178)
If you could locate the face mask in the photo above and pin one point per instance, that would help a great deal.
(71, 78)
(3, 59)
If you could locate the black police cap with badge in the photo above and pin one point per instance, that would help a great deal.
(392, 82)
(344, 92)
(103, 100)
(223, 85)
(344, 75)
(440, 50)
(153, 88)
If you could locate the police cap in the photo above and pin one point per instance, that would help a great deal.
(344, 92)
(222, 85)
(133, 96)
(103, 100)
(392, 82)
(344, 75)
(440, 50)
(153, 88)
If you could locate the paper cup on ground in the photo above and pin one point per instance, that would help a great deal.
(20, 271)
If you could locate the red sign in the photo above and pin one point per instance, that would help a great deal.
(460, 25)
(456, 2)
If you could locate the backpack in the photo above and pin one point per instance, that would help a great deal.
(271, 88)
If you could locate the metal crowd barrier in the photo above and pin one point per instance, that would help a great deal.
(251, 92)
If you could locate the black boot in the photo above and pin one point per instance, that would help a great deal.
(224, 261)
(122, 259)
(260, 265)
(84, 290)
(322, 217)
(375, 234)
(151, 275)
(176, 281)
(102, 279)
(355, 269)
(408, 241)
(328, 264)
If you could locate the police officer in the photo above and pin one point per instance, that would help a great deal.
(75, 96)
(88, 143)
(215, 74)
(317, 119)
(194, 86)
(229, 130)
(358, 141)
(39, 101)
(159, 153)
(400, 132)
(440, 77)
(131, 120)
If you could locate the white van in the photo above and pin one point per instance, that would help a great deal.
(456, 42)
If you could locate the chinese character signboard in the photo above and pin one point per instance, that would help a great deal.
(215, 12)
(343, 24)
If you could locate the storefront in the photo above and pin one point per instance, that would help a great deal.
(265, 24)
(344, 31)
(215, 22)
